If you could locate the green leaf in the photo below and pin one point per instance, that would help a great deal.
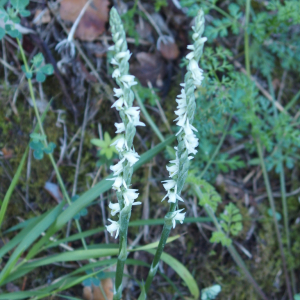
(37, 60)
(210, 292)
(209, 196)
(297, 297)
(40, 77)
(220, 237)
(47, 69)
(98, 143)
(19, 4)
(24, 13)
(12, 186)
(38, 154)
(277, 214)
(50, 148)
(2, 33)
(182, 272)
(36, 145)
(232, 219)
(14, 33)
(37, 137)
(29, 238)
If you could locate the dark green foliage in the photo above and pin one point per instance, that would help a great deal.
(40, 70)
(37, 144)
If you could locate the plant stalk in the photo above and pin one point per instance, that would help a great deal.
(59, 179)
(272, 205)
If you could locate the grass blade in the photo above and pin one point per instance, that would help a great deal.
(12, 186)
(182, 271)
(29, 238)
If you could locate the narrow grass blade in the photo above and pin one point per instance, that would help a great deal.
(91, 195)
(17, 175)
(182, 271)
(12, 186)
(29, 238)
(20, 236)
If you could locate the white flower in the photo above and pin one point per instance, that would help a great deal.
(114, 226)
(136, 121)
(119, 43)
(116, 73)
(120, 144)
(169, 184)
(119, 104)
(178, 216)
(114, 62)
(128, 80)
(173, 170)
(120, 127)
(118, 92)
(115, 208)
(123, 55)
(118, 168)
(191, 142)
(187, 128)
(129, 196)
(132, 113)
(118, 182)
(190, 55)
(197, 73)
(171, 187)
(132, 157)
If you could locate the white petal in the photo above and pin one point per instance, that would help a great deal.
(115, 208)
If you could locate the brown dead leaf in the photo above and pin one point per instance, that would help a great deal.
(150, 67)
(168, 48)
(94, 293)
(54, 191)
(7, 153)
(42, 16)
(93, 21)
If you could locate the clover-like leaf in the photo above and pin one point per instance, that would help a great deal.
(19, 4)
(37, 60)
(87, 282)
(24, 13)
(38, 154)
(50, 148)
(211, 292)
(47, 69)
(36, 145)
(37, 137)
(40, 77)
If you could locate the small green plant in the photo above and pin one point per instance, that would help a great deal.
(37, 68)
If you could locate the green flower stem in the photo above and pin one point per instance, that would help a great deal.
(125, 214)
(154, 266)
(187, 97)
(272, 205)
(59, 179)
